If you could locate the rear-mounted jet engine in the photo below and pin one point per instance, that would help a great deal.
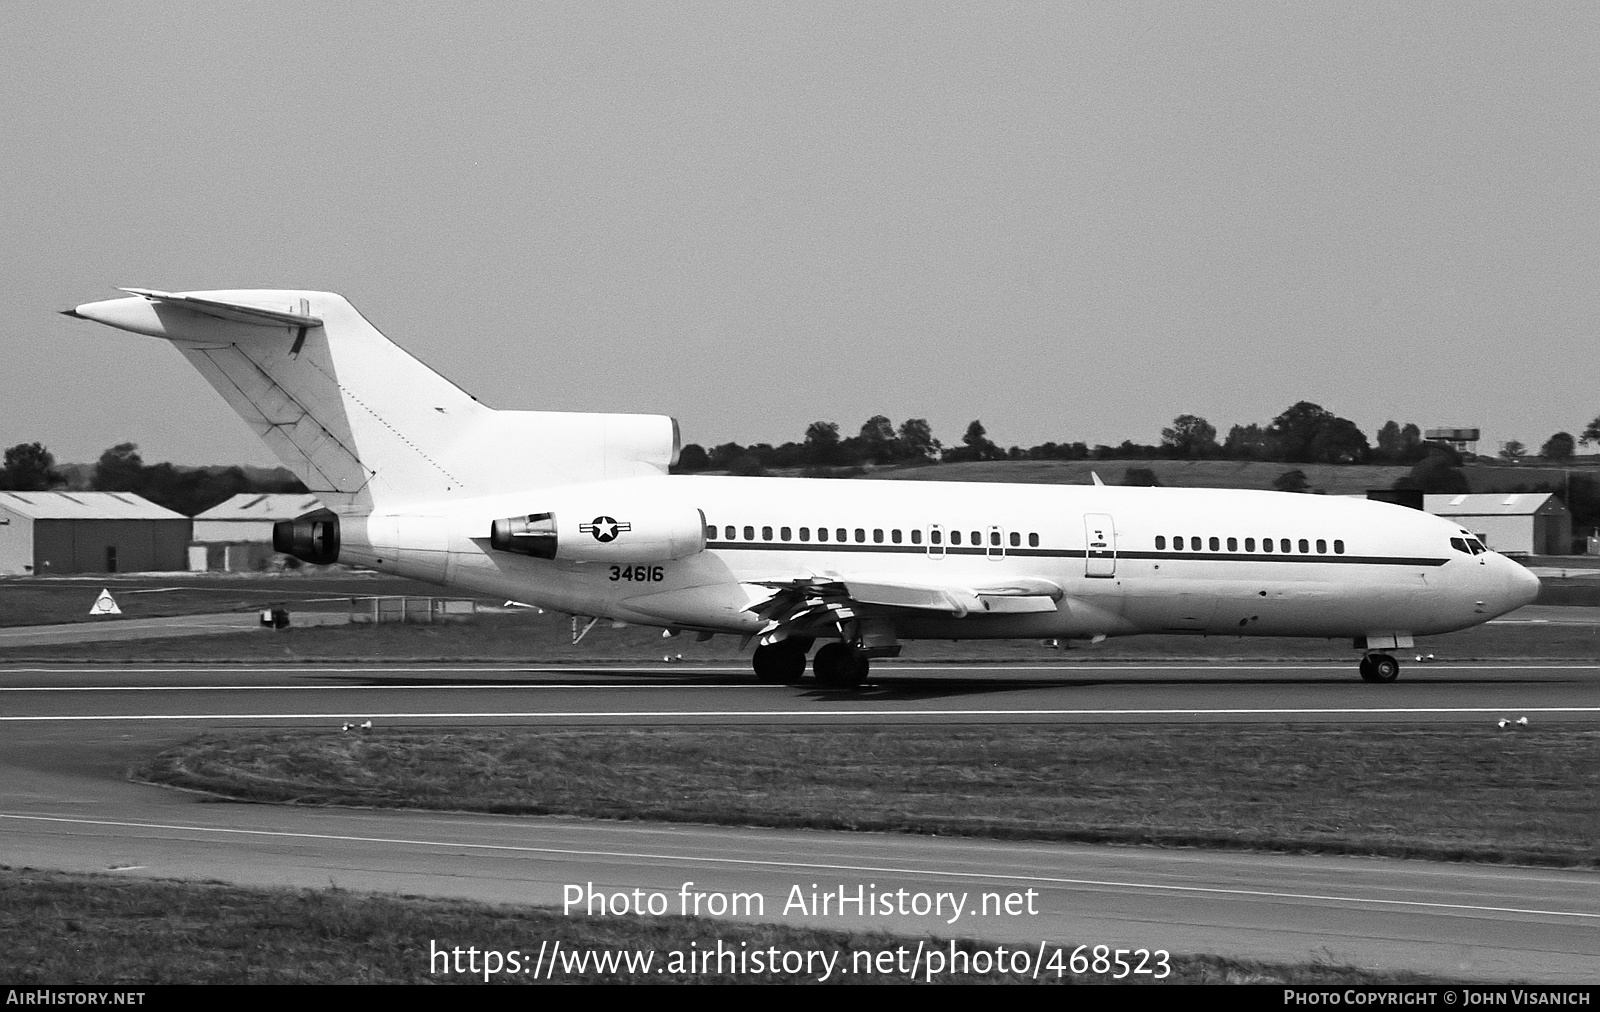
(656, 536)
(313, 537)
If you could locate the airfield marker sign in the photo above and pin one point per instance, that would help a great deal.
(105, 605)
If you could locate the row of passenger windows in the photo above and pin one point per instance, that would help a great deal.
(895, 536)
(1284, 546)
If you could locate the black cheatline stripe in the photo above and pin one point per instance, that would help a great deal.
(1071, 553)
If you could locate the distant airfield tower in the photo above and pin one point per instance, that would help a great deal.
(1460, 440)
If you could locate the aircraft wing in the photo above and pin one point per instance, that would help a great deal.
(802, 605)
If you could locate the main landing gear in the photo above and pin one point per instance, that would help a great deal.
(837, 665)
(840, 666)
(1379, 668)
(783, 662)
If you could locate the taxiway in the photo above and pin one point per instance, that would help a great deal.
(71, 732)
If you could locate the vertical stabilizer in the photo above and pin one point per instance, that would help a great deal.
(364, 424)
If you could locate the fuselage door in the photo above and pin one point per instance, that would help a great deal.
(935, 541)
(996, 548)
(1100, 545)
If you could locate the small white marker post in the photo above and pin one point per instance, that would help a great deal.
(105, 605)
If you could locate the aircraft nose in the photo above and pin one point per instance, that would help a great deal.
(1522, 585)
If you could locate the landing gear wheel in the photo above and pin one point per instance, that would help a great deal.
(1379, 668)
(780, 663)
(837, 666)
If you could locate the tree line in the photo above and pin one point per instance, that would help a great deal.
(1305, 433)
(30, 467)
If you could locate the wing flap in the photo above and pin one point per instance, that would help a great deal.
(1016, 605)
(1018, 596)
(796, 603)
(909, 595)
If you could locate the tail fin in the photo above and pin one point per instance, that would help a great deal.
(361, 422)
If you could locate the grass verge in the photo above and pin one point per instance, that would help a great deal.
(62, 928)
(1313, 788)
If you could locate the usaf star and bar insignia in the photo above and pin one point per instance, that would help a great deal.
(605, 529)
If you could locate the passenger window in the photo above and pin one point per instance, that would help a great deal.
(977, 538)
(711, 532)
(1305, 547)
(994, 538)
(1338, 548)
(1033, 541)
(1233, 544)
(1016, 540)
(1322, 547)
(1216, 546)
(916, 537)
(749, 533)
(1249, 544)
(840, 535)
(729, 533)
(861, 535)
(1266, 544)
(785, 534)
(1161, 542)
(877, 535)
(766, 534)
(822, 534)
(894, 535)
(955, 537)
(805, 534)
(936, 537)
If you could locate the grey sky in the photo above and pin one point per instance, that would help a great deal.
(1071, 221)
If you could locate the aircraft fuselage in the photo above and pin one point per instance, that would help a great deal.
(1126, 560)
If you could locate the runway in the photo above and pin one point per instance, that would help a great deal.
(920, 693)
(71, 732)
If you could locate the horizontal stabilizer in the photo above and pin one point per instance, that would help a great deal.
(238, 312)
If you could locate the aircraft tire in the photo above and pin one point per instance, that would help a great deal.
(1379, 668)
(839, 667)
(779, 663)
(857, 669)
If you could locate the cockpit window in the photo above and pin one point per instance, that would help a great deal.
(1460, 545)
(1468, 545)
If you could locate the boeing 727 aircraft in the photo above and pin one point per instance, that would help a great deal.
(577, 513)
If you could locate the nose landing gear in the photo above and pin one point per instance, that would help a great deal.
(1379, 668)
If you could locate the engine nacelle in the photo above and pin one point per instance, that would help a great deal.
(654, 535)
(310, 538)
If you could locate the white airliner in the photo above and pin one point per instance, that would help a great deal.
(577, 513)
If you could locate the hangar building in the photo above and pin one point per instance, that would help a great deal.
(237, 534)
(1527, 523)
(45, 533)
